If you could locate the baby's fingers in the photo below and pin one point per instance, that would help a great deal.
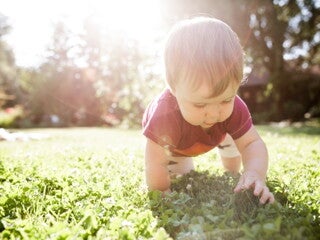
(258, 188)
(245, 183)
(263, 191)
(266, 196)
(240, 185)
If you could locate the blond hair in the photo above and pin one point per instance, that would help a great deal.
(203, 49)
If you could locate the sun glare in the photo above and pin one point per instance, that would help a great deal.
(32, 21)
(137, 18)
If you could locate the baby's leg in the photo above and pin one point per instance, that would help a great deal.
(230, 156)
(180, 165)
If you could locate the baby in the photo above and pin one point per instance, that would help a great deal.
(200, 109)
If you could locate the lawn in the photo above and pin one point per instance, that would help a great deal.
(88, 183)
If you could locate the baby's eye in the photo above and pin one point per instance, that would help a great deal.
(227, 101)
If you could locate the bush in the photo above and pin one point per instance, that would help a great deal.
(10, 116)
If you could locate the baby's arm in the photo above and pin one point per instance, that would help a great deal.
(156, 162)
(255, 165)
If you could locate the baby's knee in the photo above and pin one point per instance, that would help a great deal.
(231, 164)
(180, 166)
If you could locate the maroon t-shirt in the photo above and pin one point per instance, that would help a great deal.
(163, 123)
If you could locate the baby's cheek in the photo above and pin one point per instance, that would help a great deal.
(227, 113)
(193, 119)
(189, 116)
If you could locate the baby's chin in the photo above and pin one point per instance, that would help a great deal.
(206, 125)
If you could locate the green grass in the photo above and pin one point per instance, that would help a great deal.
(88, 183)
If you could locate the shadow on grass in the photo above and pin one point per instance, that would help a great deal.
(203, 206)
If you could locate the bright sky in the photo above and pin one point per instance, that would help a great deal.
(32, 21)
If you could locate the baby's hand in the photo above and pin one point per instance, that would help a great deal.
(251, 179)
(166, 192)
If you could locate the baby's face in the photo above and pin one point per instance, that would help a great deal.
(199, 109)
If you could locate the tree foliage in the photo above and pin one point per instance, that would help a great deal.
(9, 92)
(91, 78)
(280, 36)
(103, 76)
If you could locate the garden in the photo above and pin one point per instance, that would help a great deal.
(88, 183)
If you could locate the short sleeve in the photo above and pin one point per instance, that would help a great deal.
(161, 123)
(240, 120)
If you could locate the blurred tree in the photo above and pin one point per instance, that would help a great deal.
(281, 36)
(60, 48)
(9, 88)
(130, 75)
(31, 81)
(98, 76)
(285, 39)
(59, 88)
(119, 71)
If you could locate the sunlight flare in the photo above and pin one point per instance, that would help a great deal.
(137, 19)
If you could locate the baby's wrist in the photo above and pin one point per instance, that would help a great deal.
(254, 172)
(166, 192)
